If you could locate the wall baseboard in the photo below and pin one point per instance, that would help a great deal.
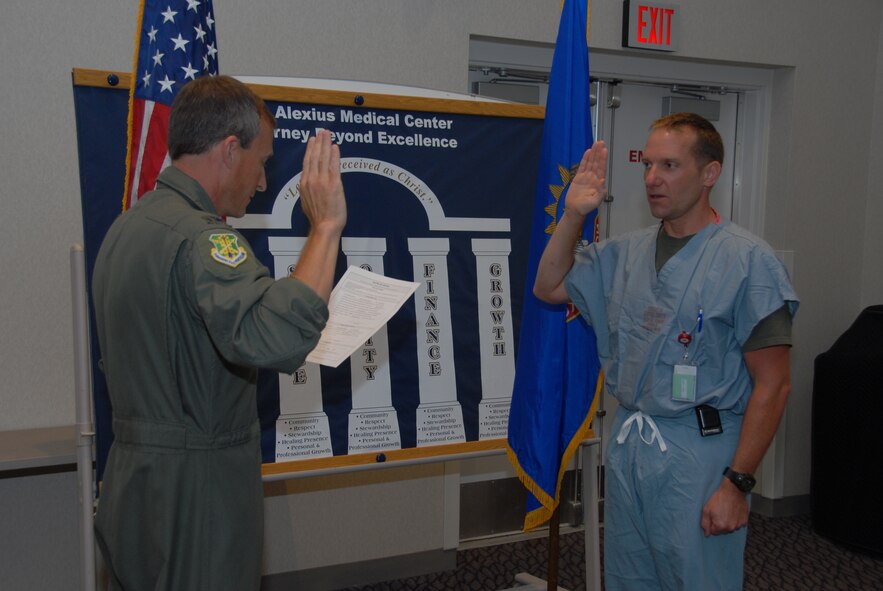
(327, 578)
(784, 507)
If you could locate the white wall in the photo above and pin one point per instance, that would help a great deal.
(824, 197)
(872, 270)
(40, 43)
(39, 538)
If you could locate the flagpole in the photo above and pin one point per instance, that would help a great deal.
(85, 429)
(554, 523)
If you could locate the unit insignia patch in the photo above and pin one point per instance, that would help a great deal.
(226, 249)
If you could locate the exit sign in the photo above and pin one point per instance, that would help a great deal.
(650, 25)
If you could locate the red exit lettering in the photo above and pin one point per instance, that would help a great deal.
(656, 30)
(636, 155)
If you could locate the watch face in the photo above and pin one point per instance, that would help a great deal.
(744, 482)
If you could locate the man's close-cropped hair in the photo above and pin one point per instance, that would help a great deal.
(709, 146)
(211, 108)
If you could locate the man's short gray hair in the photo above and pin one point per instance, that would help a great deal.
(211, 108)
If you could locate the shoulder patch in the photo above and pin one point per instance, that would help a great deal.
(226, 249)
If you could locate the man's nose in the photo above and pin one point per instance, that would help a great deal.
(650, 177)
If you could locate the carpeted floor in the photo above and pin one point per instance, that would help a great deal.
(782, 554)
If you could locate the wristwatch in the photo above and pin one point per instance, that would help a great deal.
(743, 481)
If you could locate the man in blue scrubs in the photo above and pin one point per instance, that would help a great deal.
(693, 321)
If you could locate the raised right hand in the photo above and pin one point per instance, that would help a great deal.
(321, 190)
(588, 188)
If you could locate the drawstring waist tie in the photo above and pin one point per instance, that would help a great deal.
(639, 418)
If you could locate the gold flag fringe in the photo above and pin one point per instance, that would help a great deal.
(542, 514)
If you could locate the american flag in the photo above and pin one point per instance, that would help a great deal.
(175, 44)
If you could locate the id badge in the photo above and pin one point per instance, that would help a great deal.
(683, 385)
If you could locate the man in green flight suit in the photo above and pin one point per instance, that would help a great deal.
(185, 315)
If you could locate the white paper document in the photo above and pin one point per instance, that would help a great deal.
(360, 304)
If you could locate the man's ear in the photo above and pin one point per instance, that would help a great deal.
(710, 173)
(228, 150)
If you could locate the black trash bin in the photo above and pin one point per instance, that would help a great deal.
(847, 437)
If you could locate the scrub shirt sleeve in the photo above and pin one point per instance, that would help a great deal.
(585, 286)
(253, 319)
(767, 289)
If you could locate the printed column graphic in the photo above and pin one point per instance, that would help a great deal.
(496, 341)
(439, 415)
(373, 422)
(302, 429)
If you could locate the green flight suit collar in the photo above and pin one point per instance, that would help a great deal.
(188, 187)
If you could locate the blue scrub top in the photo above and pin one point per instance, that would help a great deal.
(730, 275)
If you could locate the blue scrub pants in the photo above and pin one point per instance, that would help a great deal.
(653, 538)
